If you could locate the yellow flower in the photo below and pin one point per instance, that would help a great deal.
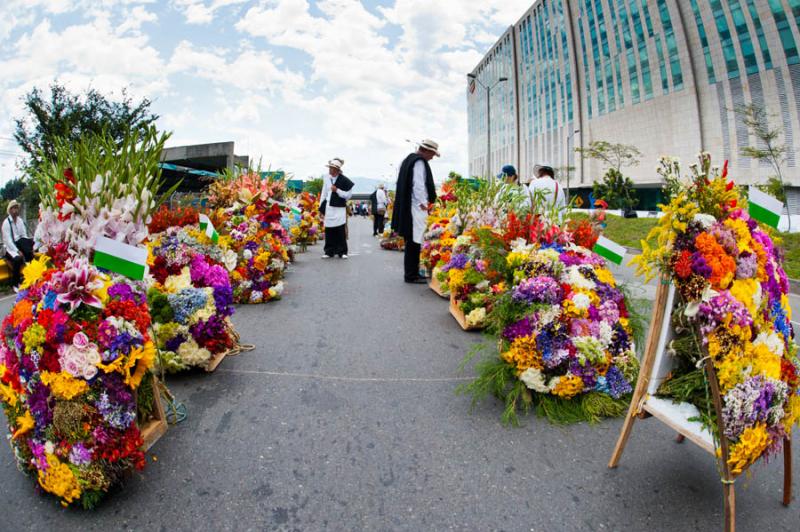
(63, 385)
(34, 270)
(176, 283)
(751, 445)
(25, 424)
(33, 337)
(570, 309)
(792, 413)
(523, 354)
(143, 357)
(748, 292)
(102, 293)
(455, 279)
(59, 480)
(568, 386)
(7, 393)
(605, 276)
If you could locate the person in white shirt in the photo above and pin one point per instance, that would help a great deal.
(414, 198)
(551, 192)
(381, 202)
(336, 190)
(14, 233)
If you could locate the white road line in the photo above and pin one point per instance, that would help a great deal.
(345, 379)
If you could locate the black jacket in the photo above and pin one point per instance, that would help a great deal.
(343, 183)
(401, 216)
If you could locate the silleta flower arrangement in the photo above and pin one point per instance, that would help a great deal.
(305, 232)
(76, 355)
(733, 308)
(191, 301)
(392, 241)
(564, 334)
(472, 274)
(248, 219)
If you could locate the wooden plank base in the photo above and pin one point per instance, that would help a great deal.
(460, 317)
(436, 286)
(215, 361)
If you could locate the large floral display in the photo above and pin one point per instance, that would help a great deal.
(248, 218)
(733, 306)
(564, 333)
(191, 301)
(77, 354)
(305, 225)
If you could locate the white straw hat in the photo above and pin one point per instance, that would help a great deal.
(335, 163)
(430, 145)
(12, 203)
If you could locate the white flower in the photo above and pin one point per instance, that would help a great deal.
(694, 307)
(476, 317)
(705, 220)
(581, 301)
(772, 341)
(535, 380)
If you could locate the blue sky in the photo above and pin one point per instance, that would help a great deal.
(292, 82)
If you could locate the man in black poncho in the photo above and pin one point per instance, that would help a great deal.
(414, 198)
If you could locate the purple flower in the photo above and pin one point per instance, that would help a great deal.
(700, 266)
(746, 266)
(616, 383)
(79, 455)
(458, 261)
(124, 292)
(523, 327)
(540, 289)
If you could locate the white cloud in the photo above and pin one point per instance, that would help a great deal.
(199, 12)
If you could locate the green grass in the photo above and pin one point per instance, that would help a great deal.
(631, 231)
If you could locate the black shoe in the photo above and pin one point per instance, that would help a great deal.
(417, 280)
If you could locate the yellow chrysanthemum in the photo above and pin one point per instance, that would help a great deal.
(568, 386)
(63, 385)
(605, 276)
(751, 445)
(34, 270)
(792, 413)
(523, 354)
(59, 480)
(748, 292)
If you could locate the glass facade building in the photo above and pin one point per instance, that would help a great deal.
(664, 75)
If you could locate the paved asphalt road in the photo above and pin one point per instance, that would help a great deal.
(345, 418)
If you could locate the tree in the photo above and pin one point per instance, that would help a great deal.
(313, 186)
(617, 190)
(614, 155)
(12, 189)
(771, 150)
(68, 116)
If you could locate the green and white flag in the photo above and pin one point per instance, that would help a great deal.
(764, 208)
(208, 227)
(609, 249)
(124, 259)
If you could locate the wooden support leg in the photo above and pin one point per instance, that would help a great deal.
(623, 436)
(730, 508)
(787, 471)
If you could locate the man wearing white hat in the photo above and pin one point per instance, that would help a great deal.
(19, 248)
(414, 198)
(336, 190)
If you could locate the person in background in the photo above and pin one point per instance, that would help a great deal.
(19, 248)
(552, 193)
(413, 200)
(509, 175)
(379, 210)
(336, 190)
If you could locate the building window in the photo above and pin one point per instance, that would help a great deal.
(585, 68)
(644, 60)
(701, 31)
(725, 38)
(672, 46)
(745, 42)
(785, 32)
(662, 66)
(762, 41)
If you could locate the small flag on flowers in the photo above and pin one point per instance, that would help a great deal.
(208, 227)
(609, 249)
(764, 208)
(124, 259)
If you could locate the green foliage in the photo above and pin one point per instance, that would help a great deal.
(617, 190)
(774, 187)
(145, 398)
(12, 189)
(91, 498)
(160, 309)
(69, 117)
(454, 176)
(313, 186)
(614, 155)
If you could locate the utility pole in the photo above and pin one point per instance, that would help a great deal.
(488, 90)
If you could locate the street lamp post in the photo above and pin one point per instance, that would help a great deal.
(488, 90)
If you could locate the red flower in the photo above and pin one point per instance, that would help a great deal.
(683, 266)
(789, 373)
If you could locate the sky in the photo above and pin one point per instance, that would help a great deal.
(293, 83)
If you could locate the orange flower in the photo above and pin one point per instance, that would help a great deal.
(22, 311)
(722, 265)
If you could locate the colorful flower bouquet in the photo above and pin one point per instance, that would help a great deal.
(565, 343)
(191, 302)
(733, 307)
(76, 356)
(305, 232)
(473, 277)
(392, 241)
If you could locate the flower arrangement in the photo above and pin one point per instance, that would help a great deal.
(166, 217)
(76, 356)
(392, 241)
(191, 301)
(306, 229)
(248, 218)
(734, 304)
